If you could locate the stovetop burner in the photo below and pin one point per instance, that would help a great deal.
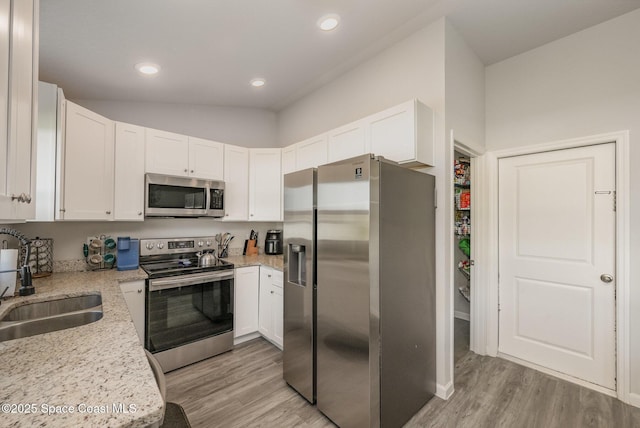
(176, 256)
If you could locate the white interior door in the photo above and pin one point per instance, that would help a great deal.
(557, 238)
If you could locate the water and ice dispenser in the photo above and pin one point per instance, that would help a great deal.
(297, 265)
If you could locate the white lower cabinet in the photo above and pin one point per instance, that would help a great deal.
(133, 292)
(247, 283)
(271, 315)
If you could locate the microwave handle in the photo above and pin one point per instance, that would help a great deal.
(182, 281)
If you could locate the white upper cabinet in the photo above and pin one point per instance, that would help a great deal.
(206, 159)
(347, 141)
(312, 152)
(175, 154)
(265, 181)
(18, 104)
(236, 182)
(88, 175)
(403, 134)
(167, 153)
(129, 172)
(289, 159)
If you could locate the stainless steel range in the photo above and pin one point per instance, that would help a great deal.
(189, 308)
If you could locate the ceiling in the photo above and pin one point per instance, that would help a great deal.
(209, 50)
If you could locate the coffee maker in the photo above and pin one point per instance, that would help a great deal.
(273, 242)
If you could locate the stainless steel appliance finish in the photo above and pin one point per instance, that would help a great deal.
(299, 282)
(189, 306)
(273, 242)
(170, 196)
(375, 292)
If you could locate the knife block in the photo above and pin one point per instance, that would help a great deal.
(252, 250)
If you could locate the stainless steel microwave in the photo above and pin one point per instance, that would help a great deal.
(170, 196)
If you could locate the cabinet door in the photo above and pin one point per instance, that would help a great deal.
(289, 159)
(277, 308)
(133, 293)
(265, 181)
(206, 159)
(403, 134)
(347, 141)
(18, 77)
(265, 322)
(167, 153)
(129, 172)
(236, 182)
(247, 289)
(88, 171)
(312, 152)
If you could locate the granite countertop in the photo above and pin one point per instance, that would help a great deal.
(93, 370)
(276, 262)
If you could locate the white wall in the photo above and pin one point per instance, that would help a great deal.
(465, 103)
(68, 237)
(465, 90)
(412, 68)
(247, 127)
(584, 84)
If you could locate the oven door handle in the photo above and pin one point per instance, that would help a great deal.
(182, 281)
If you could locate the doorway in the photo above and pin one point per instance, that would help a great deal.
(557, 264)
(462, 184)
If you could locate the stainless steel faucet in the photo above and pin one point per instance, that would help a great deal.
(26, 287)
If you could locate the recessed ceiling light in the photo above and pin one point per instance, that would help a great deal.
(258, 82)
(148, 68)
(329, 22)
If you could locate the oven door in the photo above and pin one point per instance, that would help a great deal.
(168, 196)
(188, 308)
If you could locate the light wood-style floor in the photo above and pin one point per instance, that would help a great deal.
(244, 388)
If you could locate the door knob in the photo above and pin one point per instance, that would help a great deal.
(605, 277)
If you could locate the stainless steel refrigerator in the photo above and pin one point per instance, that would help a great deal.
(299, 234)
(374, 335)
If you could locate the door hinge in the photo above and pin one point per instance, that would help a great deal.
(615, 200)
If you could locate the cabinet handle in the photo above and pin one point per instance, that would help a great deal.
(27, 199)
(186, 170)
(62, 210)
(139, 290)
(191, 171)
(139, 212)
(271, 292)
(20, 198)
(108, 212)
(269, 275)
(251, 215)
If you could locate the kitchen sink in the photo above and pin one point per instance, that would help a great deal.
(48, 308)
(52, 315)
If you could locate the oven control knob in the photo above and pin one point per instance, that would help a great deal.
(149, 245)
(200, 243)
(160, 245)
(208, 243)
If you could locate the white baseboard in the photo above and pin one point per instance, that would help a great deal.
(462, 315)
(245, 338)
(444, 391)
(634, 400)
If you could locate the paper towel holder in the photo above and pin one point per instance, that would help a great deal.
(26, 287)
